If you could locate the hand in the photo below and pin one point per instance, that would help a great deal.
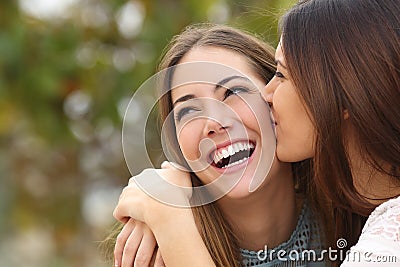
(169, 185)
(170, 225)
(136, 246)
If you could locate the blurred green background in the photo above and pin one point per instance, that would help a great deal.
(68, 69)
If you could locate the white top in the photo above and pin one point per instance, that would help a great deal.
(379, 242)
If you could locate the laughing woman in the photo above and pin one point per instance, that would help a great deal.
(221, 131)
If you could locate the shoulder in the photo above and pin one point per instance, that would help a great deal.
(384, 221)
(380, 237)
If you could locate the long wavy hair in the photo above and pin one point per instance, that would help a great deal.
(344, 57)
(216, 232)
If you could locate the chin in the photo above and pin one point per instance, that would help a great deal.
(237, 194)
(286, 156)
(241, 190)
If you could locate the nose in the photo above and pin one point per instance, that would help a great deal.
(268, 91)
(213, 127)
(218, 117)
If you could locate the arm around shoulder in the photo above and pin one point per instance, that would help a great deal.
(180, 242)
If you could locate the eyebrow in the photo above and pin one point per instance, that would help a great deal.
(183, 99)
(219, 85)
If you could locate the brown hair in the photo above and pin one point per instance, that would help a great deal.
(216, 232)
(344, 55)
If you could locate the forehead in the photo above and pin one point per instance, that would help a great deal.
(279, 53)
(208, 66)
(215, 54)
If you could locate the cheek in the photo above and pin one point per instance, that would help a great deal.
(251, 112)
(296, 132)
(281, 100)
(287, 102)
(300, 114)
(189, 139)
(260, 115)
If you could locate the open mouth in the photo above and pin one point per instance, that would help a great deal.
(232, 154)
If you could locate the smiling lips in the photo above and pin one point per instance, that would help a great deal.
(232, 154)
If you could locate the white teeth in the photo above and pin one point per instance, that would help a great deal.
(235, 163)
(231, 150)
(241, 147)
(225, 153)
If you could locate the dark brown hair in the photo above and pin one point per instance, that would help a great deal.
(344, 55)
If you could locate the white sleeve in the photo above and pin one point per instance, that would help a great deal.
(379, 243)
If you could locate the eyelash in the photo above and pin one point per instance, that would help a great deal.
(182, 112)
(238, 89)
(231, 91)
(279, 74)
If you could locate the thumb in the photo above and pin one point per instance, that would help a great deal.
(170, 165)
(166, 165)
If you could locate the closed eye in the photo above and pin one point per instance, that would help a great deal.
(185, 111)
(279, 74)
(235, 90)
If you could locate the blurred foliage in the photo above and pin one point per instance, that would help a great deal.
(67, 71)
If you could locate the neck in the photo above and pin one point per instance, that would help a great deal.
(377, 186)
(267, 216)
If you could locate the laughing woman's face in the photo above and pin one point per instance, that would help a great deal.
(223, 126)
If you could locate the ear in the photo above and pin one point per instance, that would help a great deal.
(346, 114)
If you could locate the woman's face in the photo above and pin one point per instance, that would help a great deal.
(294, 129)
(221, 119)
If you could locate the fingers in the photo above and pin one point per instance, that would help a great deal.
(159, 262)
(131, 196)
(146, 247)
(132, 181)
(135, 245)
(166, 165)
(121, 241)
(119, 211)
(138, 200)
(173, 166)
(131, 246)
